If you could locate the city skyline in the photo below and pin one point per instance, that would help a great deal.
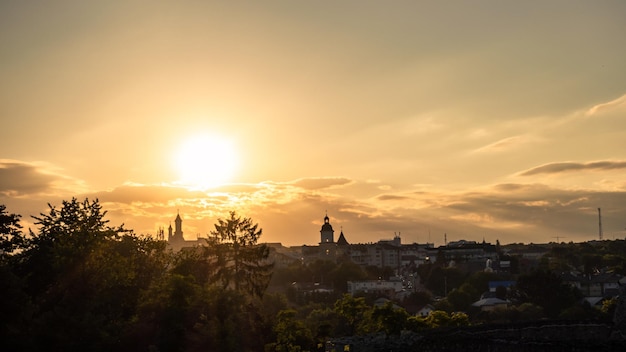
(490, 119)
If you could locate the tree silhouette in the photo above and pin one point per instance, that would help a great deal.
(237, 261)
(10, 233)
(389, 319)
(354, 313)
(83, 277)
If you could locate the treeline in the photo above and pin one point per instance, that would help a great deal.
(78, 283)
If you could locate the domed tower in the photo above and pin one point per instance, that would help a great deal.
(328, 247)
(327, 233)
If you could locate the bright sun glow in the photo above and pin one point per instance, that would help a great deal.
(206, 161)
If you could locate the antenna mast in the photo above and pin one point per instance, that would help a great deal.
(600, 223)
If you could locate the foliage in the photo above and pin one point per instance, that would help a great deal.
(459, 319)
(416, 300)
(437, 319)
(588, 257)
(581, 312)
(441, 280)
(416, 323)
(85, 285)
(389, 319)
(322, 322)
(319, 270)
(77, 283)
(352, 311)
(237, 261)
(344, 272)
(291, 334)
(546, 290)
(11, 237)
(462, 298)
(16, 307)
(609, 306)
(444, 305)
(79, 279)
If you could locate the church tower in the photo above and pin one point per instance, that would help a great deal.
(175, 236)
(328, 247)
(327, 234)
(179, 227)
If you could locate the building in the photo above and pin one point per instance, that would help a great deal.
(327, 245)
(175, 238)
(467, 256)
(490, 304)
(327, 248)
(389, 253)
(384, 287)
(425, 310)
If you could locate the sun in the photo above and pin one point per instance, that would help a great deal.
(205, 161)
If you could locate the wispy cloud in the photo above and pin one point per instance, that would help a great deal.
(392, 197)
(553, 168)
(616, 104)
(504, 144)
(321, 182)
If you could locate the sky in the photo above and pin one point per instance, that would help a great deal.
(432, 120)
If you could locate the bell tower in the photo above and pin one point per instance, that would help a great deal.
(327, 234)
(328, 247)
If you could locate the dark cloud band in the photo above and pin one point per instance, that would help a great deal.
(554, 168)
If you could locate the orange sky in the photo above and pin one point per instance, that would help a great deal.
(486, 119)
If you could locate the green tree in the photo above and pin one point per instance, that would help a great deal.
(353, 313)
(417, 323)
(167, 314)
(479, 282)
(292, 335)
(344, 272)
(237, 261)
(546, 290)
(416, 300)
(322, 323)
(442, 280)
(438, 318)
(389, 319)
(608, 307)
(530, 312)
(64, 240)
(320, 271)
(460, 299)
(76, 217)
(459, 319)
(444, 305)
